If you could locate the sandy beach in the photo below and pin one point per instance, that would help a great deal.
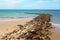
(8, 26)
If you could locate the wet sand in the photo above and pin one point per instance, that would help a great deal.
(55, 35)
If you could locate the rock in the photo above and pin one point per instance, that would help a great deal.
(36, 29)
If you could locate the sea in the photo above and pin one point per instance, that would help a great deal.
(19, 14)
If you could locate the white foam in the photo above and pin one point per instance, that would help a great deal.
(16, 19)
(56, 25)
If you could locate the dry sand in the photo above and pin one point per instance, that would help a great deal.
(8, 26)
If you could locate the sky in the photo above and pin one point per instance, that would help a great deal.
(29, 4)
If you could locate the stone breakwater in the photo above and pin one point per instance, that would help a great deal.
(37, 29)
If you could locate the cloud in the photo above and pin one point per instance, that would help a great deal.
(11, 3)
(42, 5)
(29, 4)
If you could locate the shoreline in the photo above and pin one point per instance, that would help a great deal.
(15, 19)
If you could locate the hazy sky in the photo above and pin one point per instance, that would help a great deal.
(29, 4)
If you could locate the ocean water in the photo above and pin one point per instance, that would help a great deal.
(18, 14)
